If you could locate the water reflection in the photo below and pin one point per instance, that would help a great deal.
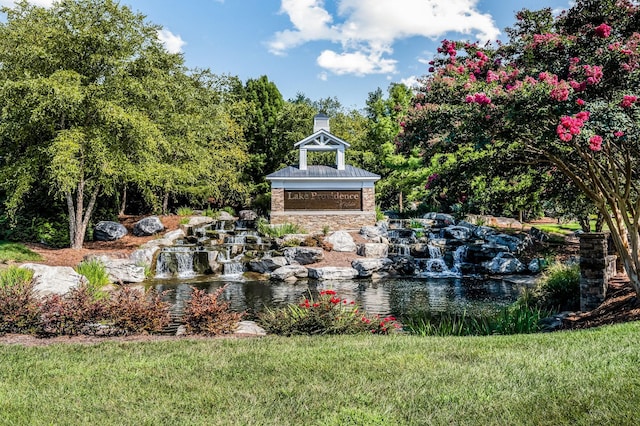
(396, 297)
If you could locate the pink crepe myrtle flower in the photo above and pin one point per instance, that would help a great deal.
(628, 101)
(580, 101)
(594, 73)
(603, 30)
(618, 134)
(595, 143)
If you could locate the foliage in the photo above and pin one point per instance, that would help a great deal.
(206, 314)
(209, 212)
(558, 289)
(277, 231)
(131, 310)
(96, 273)
(19, 306)
(518, 318)
(184, 211)
(561, 96)
(77, 312)
(16, 252)
(329, 314)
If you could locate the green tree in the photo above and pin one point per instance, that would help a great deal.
(562, 93)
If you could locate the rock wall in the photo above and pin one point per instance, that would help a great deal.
(596, 269)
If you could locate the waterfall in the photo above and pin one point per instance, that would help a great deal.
(458, 258)
(435, 266)
(177, 261)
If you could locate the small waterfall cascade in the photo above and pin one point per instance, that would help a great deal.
(218, 247)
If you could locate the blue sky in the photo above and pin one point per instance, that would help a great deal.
(341, 48)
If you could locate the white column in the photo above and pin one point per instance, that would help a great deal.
(340, 158)
(303, 159)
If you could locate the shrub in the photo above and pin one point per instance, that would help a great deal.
(229, 210)
(96, 273)
(77, 312)
(329, 314)
(184, 211)
(209, 212)
(130, 310)
(52, 233)
(19, 307)
(205, 314)
(558, 289)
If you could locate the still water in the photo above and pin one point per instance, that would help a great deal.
(392, 296)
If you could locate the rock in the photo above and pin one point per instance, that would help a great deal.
(289, 272)
(109, 231)
(342, 242)
(373, 250)
(483, 232)
(247, 215)
(288, 238)
(403, 265)
(333, 273)
(554, 322)
(267, 264)
(536, 265)
(440, 219)
(514, 244)
(249, 328)
(54, 279)
(537, 234)
(373, 232)
(171, 236)
(144, 255)
(303, 255)
(458, 232)
(199, 221)
(148, 226)
(121, 270)
(367, 267)
(504, 263)
(226, 216)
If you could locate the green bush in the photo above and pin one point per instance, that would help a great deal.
(19, 307)
(95, 272)
(229, 210)
(205, 314)
(209, 212)
(53, 234)
(329, 314)
(557, 290)
(277, 231)
(184, 211)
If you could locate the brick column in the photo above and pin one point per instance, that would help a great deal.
(593, 269)
(277, 199)
(368, 200)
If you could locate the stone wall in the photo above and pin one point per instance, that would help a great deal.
(277, 199)
(316, 221)
(597, 267)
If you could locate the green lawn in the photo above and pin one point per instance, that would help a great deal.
(577, 378)
(16, 252)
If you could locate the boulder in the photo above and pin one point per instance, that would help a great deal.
(504, 263)
(373, 232)
(267, 264)
(289, 273)
(458, 232)
(333, 273)
(144, 255)
(148, 226)
(514, 244)
(199, 221)
(373, 250)
(247, 215)
(483, 232)
(121, 270)
(342, 241)
(440, 219)
(536, 265)
(249, 328)
(225, 216)
(109, 231)
(538, 234)
(303, 255)
(54, 279)
(367, 267)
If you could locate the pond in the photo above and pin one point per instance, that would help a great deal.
(385, 297)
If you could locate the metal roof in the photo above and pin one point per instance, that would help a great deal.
(322, 172)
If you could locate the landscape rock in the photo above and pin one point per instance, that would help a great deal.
(514, 244)
(440, 219)
(148, 226)
(121, 270)
(249, 328)
(373, 232)
(247, 215)
(199, 221)
(367, 267)
(458, 232)
(303, 255)
(289, 273)
(144, 255)
(342, 242)
(54, 279)
(373, 250)
(109, 231)
(267, 264)
(225, 216)
(504, 263)
(333, 273)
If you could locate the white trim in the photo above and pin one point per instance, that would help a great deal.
(322, 184)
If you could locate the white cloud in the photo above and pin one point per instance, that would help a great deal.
(323, 76)
(367, 29)
(411, 81)
(172, 42)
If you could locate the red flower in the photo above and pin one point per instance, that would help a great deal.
(580, 102)
(595, 143)
(618, 134)
(328, 292)
(628, 101)
(603, 30)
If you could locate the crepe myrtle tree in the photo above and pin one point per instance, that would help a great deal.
(563, 92)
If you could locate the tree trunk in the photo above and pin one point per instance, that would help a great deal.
(584, 223)
(123, 204)
(626, 243)
(79, 216)
(165, 202)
